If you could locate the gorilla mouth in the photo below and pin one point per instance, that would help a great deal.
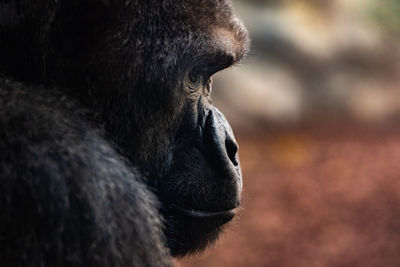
(207, 214)
(190, 230)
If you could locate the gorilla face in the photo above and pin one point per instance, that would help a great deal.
(145, 68)
(163, 64)
(199, 180)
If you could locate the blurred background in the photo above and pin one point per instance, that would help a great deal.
(316, 111)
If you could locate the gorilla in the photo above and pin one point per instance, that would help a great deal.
(111, 152)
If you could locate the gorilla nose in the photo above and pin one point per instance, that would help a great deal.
(221, 144)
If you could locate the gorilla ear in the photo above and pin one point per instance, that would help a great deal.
(78, 24)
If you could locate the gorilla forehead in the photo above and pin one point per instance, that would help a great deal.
(202, 33)
(164, 37)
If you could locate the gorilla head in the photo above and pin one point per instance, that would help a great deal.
(143, 69)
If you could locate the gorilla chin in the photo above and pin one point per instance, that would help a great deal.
(190, 231)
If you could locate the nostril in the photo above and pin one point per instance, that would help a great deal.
(232, 149)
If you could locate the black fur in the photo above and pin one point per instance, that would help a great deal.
(111, 153)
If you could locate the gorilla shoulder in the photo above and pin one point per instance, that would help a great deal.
(68, 198)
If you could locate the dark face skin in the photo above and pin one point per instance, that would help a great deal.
(144, 68)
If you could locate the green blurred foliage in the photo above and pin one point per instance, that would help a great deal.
(387, 14)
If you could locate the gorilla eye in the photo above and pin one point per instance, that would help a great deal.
(195, 79)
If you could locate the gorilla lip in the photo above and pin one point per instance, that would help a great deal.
(206, 214)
